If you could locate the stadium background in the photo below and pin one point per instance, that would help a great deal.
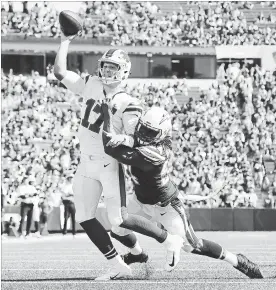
(211, 65)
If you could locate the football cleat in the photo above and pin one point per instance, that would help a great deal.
(173, 243)
(130, 258)
(172, 260)
(248, 268)
(120, 271)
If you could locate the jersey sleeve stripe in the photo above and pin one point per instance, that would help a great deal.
(121, 92)
(133, 109)
(154, 156)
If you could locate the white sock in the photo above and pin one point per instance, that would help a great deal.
(115, 260)
(168, 240)
(136, 250)
(231, 258)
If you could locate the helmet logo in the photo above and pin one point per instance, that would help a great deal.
(164, 118)
(110, 52)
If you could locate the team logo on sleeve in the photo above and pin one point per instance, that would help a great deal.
(153, 154)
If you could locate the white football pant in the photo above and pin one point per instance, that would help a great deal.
(94, 177)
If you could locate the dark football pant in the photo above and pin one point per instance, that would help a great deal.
(69, 210)
(26, 209)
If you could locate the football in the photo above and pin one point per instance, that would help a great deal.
(70, 22)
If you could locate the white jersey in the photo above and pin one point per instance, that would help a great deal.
(126, 112)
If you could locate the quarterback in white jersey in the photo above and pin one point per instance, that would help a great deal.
(97, 172)
(94, 163)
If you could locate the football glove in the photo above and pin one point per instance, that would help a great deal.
(115, 140)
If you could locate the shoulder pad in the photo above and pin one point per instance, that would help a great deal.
(123, 96)
(133, 106)
(155, 155)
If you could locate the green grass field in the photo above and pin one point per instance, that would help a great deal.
(56, 262)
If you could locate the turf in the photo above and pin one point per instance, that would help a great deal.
(57, 262)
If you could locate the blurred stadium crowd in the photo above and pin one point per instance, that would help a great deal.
(228, 133)
(152, 23)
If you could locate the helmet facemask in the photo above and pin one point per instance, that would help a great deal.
(109, 76)
(146, 134)
(153, 127)
(116, 57)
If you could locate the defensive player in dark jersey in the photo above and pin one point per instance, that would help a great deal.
(156, 196)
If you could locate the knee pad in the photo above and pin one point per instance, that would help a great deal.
(120, 231)
(117, 216)
(128, 240)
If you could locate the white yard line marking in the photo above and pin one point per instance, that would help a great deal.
(96, 269)
(90, 259)
(82, 253)
(159, 251)
(144, 282)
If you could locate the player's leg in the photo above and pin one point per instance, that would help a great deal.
(29, 220)
(128, 238)
(213, 250)
(73, 217)
(43, 221)
(115, 199)
(23, 213)
(36, 219)
(66, 217)
(175, 222)
(87, 193)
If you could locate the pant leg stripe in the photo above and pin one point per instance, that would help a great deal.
(190, 238)
(122, 186)
(179, 208)
(193, 236)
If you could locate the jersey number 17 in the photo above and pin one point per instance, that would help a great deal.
(96, 126)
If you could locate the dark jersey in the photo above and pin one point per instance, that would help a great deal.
(149, 167)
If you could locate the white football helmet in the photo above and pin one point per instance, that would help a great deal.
(121, 59)
(153, 127)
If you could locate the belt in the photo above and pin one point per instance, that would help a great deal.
(93, 157)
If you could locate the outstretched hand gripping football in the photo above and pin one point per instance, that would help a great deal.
(70, 24)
